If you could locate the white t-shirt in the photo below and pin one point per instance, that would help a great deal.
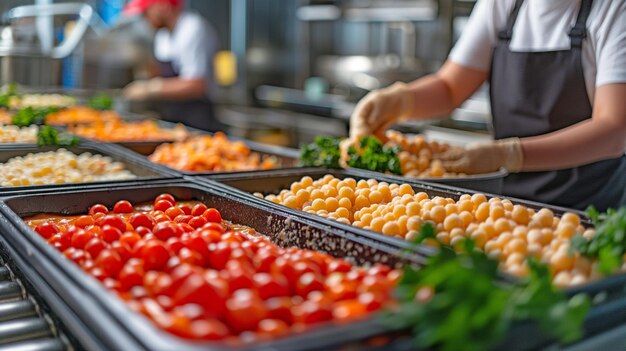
(190, 47)
(543, 25)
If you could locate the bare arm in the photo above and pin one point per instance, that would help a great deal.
(440, 93)
(601, 137)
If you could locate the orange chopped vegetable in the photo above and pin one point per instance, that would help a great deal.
(119, 131)
(211, 154)
(80, 115)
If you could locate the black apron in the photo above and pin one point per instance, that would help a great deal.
(195, 113)
(534, 93)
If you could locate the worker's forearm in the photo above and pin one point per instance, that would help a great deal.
(182, 89)
(432, 98)
(585, 142)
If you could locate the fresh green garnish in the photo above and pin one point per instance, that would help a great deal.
(323, 152)
(6, 97)
(374, 156)
(101, 101)
(47, 135)
(29, 116)
(457, 301)
(608, 244)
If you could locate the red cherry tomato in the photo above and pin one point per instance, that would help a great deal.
(186, 209)
(280, 308)
(163, 205)
(174, 244)
(219, 255)
(60, 242)
(141, 220)
(196, 289)
(84, 221)
(95, 246)
(198, 210)
(339, 266)
(123, 206)
(81, 238)
(130, 239)
(113, 221)
(110, 262)
(190, 256)
(183, 219)
(245, 310)
(131, 275)
(154, 255)
(47, 229)
(197, 222)
(307, 283)
(273, 327)
(208, 329)
(167, 197)
(212, 215)
(164, 231)
(370, 301)
(214, 226)
(99, 208)
(311, 312)
(174, 212)
(348, 310)
(269, 285)
(123, 250)
(110, 233)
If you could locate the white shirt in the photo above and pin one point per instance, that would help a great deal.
(190, 47)
(543, 25)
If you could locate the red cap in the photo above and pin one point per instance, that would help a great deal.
(135, 7)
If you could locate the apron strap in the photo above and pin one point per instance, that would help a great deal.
(579, 31)
(507, 33)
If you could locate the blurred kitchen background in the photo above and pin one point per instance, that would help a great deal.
(288, 70)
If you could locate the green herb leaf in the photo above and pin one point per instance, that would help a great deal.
(29, 116)
(47, 135)
(373, 156)
(101, 101)
(323, 152)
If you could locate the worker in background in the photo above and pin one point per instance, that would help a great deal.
(184, 46)
(557, 74)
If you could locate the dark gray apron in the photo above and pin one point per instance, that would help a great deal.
(196, 113)
(534, 93)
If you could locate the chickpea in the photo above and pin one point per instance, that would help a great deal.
(438, 214)
(391, 228)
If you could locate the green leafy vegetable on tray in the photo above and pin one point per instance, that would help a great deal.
(6, 97)
(47, 135)
(101, 101)
(369, 154)
(29, 116)
(323, 152)
(374, 156)
(608, 244)
(458, 301)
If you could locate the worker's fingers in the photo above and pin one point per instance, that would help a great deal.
(461, 165)
(452, 154)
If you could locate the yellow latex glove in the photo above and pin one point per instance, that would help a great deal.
(381, 108)
(143, 89)
(485, 157)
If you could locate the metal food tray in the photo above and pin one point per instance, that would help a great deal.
(142, 169)
(271, 182)
(109, 317)
(488, 182)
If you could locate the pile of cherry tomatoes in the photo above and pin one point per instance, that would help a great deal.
(200, 277)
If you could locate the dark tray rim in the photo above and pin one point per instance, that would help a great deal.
(52, 262)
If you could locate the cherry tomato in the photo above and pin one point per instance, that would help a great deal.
(311, 312)
(280, 308)
(84, 221)
(197, 222)
(208, 329)
(339, 266)
(264, 259)
(60, 242)
(164, 231)
(163, 205)
(123, 206)
(190, 256)
(214, 226)
(143, 231)
(245, 310)
(81, 238)
(240, 276)
(154, 255)
(269, 285)
(370, 301)
(348, 310)
(198, 210)
(95, 246)
(99, 208)
(110, 233)
(196, 289)
(183, 219)
(130, 239)
(110, 262)
(212, 215)
(174, 244)
(211, 236)
(80, 257)
(113, 221)
(186, 209)
(130, 275)
(307, 283)
(141, 220)
(273, 327)
(167, 197)
(174, 212)
(123, 250)
(219, 255)
(47, 229)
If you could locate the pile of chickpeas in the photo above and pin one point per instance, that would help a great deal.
(418, 157)
(503, 230)
(61, 166)
(14, 134)
(41, 100)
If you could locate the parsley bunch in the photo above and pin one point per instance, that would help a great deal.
(608, 245)
(29, 115)
(47, 135)
(457, 301)
(101, 101)
(323, 152)
(6, 97)
(374, 156)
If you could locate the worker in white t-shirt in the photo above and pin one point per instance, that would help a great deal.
(184, 46)
(557, 74)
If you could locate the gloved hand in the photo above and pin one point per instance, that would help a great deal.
(485, 157)
(143, 89)
(380, 109)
